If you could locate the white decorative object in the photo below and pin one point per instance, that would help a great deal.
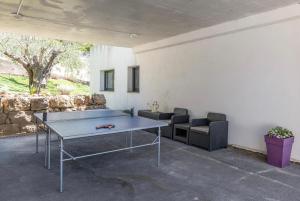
(155, 106)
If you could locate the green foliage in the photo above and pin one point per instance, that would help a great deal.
(85, 47)
(70, 56)
(33, 90)
(280, 132)
(38, 56)
(19, 84)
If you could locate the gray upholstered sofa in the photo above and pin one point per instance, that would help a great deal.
(179, 115)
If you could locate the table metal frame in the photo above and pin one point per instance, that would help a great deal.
(70, 157)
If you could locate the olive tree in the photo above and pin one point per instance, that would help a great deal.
(38, 56)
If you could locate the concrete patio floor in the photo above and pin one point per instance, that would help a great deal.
(186, 173)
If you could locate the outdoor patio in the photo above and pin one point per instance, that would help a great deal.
(186, 173)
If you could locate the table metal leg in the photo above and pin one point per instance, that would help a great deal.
(158, 147)
(48, 148)
(61, 166)
(36, 140)
(130, 141)
(37, 143)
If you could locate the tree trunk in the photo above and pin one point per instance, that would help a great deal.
(35, 79)
(30, 82)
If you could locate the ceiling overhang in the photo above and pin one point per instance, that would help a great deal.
(123, 22)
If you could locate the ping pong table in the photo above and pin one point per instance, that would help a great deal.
(81, 124)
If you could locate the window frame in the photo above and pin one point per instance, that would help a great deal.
(133, 77)
(106, 80)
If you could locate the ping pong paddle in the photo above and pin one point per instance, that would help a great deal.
(109, 126)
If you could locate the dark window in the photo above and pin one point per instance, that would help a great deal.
(134, 79)
(107, 80)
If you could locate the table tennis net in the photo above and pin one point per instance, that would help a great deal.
(88, 114)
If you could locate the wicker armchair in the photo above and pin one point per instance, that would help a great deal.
(210, 133)
(180, 115)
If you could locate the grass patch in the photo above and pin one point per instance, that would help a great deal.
(19, 84)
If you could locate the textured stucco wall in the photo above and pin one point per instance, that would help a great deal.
(248, 69)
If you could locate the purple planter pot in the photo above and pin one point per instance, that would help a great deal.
(279, 150)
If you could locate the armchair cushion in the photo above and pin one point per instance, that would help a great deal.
(203, 129)
(177, 119)
(199, 122)
(216, 117)
(181, 111)
(165, 115)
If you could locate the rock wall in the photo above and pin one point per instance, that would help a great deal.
(16, 111)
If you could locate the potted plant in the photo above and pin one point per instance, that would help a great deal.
(279, 142)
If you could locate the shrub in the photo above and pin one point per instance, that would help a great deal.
(280, 132)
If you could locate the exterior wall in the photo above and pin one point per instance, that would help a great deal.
(248, 69)
(117, 58)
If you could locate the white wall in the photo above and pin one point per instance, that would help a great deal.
(248, 69)
(108, 57)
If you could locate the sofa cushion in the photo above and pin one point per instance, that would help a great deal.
(181, 111)
(216, 117)
(202, 129)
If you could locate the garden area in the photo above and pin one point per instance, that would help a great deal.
(18, 84)
(42, 75)
(37, 59)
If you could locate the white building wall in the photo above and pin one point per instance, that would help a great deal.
(108, 57)
(248, 69)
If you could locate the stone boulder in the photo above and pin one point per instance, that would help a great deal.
(62, 101)
(1, 103)
(39, 103)
(9, 129)
(79, 100)
(54, 110)
(16, 103)
(21, 117)
(88, 100)
(98, 99)
(3, 118)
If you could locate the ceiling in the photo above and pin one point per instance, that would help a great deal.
(124, 22)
